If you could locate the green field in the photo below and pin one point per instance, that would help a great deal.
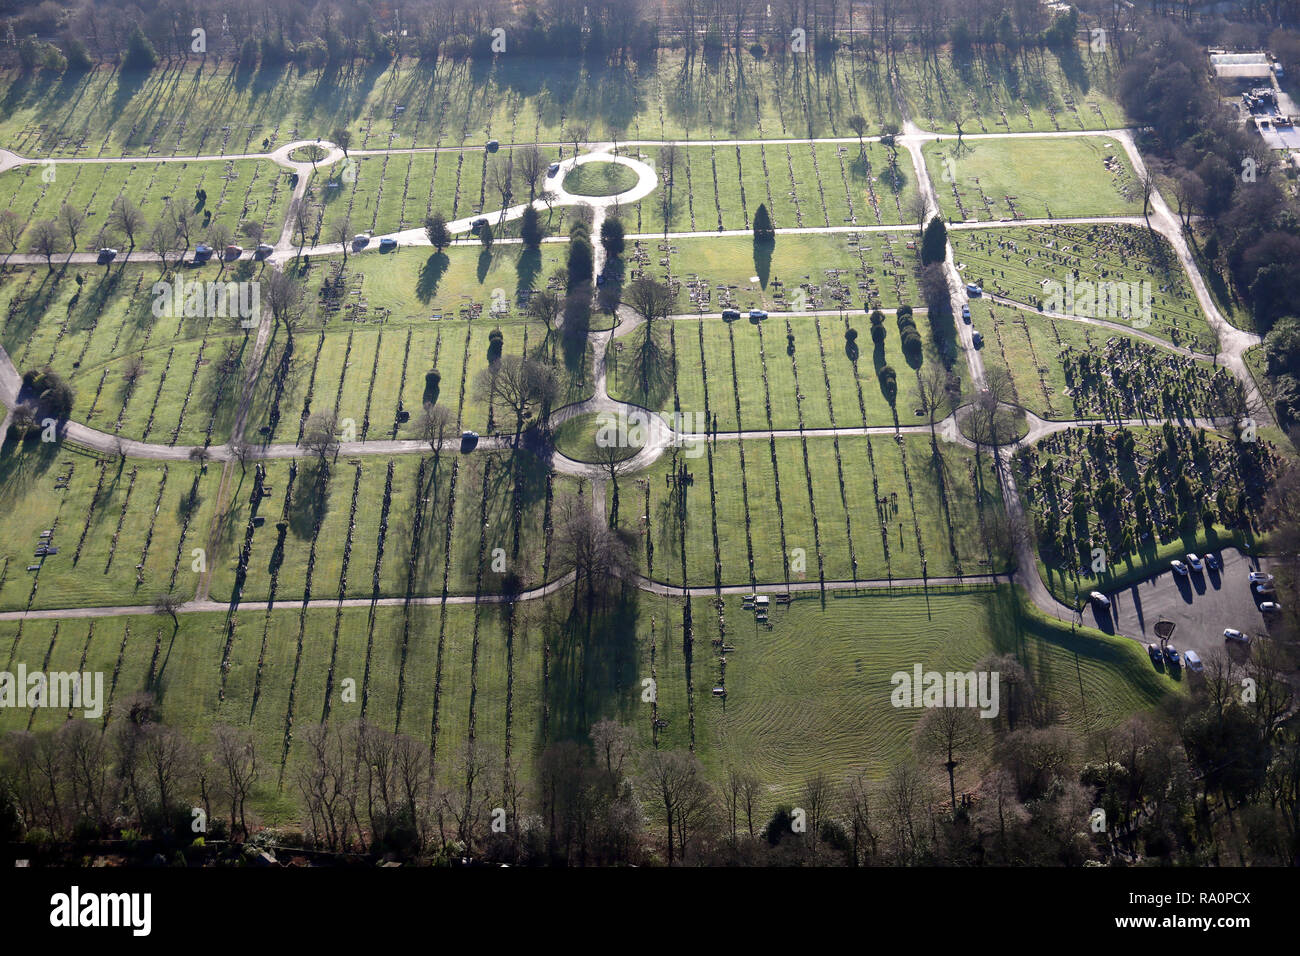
(1028, 178)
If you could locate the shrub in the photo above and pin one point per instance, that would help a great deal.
(495, 342)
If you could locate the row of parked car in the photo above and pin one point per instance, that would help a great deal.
(732, 315)
(202, 253)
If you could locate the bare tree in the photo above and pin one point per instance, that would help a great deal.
(949, 732)
(11, 229)
(164, 238)
(674, 780)
(433, 424)
(283, 297)
(932, 382)
(668, 157)
(547, 306)
(341, 232)
(168, 603)
(125, 217)
(46, 241)
(71, 219)
(235, 753)
(520, 383)
(320, 434)
(501, 174)
(532, 167)
(220, 236)
(653, 301)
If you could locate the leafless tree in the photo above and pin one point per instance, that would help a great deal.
(950, 732)
(125, 217)
(283, 295)
(71, 219)
(235, 754)
(220, 236)
(164, 239)
(433, 424)
(11, 229)
(501, 175)
(674, 780)
(168, 603)
(46, 241)
(532, 167)
(653, 301)
(341, 232)
(546, 306)
(519, 383)
(320, 434)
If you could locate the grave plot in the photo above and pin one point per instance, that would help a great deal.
(304, 518)
(992, 95)
(1029, 264)
(1066, 370)
(244, 196)
(1131, 491)
(709, 366)
(878, 517)
(850, 269)
(1033, 178)
(119, 532)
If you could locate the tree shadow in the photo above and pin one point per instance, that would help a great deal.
(527, 266)
(763, 249)
(431, 273)
(484, 264)
(311, 501)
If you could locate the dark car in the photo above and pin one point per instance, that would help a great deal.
(468, 441)
(1171, 655)
(107, 255)
(730, 315)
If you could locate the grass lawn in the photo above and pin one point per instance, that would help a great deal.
(580, 437)
(826, 395)
(1029, 178)
(135, 514)
(1039, 91)
(875, 521)
(248, 196)
(599, 179)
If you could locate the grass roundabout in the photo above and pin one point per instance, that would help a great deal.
(599, 179)
(582, 437)
(1008, 425)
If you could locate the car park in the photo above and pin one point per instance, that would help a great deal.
(107, 255)
(1260, 577)
(1194, 561)
(1193, 661)
(1099, 599)
(730, 315)
(1270, 607)
(1234, 636)
(387, 244)
(1179, 567)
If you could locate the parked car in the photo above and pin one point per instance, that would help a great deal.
(387, 244)
(1260, 577)
(1193, 661)
(477, 224)
(202, 252)
(1154, 653)
(1179, 567)
(468, 440)
(263, 250)
(1235, 636)
(360, 241)
(757, 314)
(1263, 588)
(977, 338)
(233, 252)
(1099, 599)
(1171, 654)
(965, 314)
(107, 255)
(1195, 562)
(973, 290)
(552, 169)
(1270, 607)
(1212, 562)
(730, 315)
(493, 146)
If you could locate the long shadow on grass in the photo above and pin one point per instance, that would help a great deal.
(593, 661)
